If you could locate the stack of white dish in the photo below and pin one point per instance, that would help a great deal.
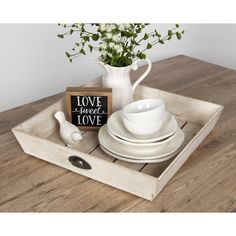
(142, 132)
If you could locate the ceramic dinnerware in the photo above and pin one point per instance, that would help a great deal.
(144, 111)
(117, 128)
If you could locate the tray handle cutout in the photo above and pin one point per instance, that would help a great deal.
(79, 162)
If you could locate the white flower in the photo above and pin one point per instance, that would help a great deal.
(112, 26)
(118, 48)
(108, 29)
(121, 27)
(104, 53)
(80, 26)
(104, 46)
(111, 45)
(116, 38)
(109, 35)
(102, 27)
(127, 26)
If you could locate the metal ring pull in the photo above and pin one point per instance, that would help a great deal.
(79, 162)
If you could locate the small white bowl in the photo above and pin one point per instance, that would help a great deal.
(143, 129)
(144, 111)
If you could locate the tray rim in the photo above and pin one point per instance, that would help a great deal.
(19, 129)
(219, 111)
(153, 181)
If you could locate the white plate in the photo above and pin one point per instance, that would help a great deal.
(137, 160)
(137, 152)
(117, 128)
(152, 144)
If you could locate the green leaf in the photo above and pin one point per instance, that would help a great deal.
(149, 46)
(68, 54)
(77, 44)
(128, 34)
(128, 61)
(90, 48)
(71, 31)
(82, 51)
(178, 35)
(141, 55)
(170, 33)
(60, 36)
(116, 31)
(138, 30)
(85, 38)
(177, 25)
(95, 37)
(82, 29)
(161, 41)
(70, 60)
(145, 37)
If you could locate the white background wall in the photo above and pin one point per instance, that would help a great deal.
(33, 64)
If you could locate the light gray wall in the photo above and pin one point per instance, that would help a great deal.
(33, 64)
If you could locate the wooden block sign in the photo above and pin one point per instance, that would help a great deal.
(88, 107)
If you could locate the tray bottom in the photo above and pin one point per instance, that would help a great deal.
(90, 145)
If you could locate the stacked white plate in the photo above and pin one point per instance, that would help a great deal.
(118, 142)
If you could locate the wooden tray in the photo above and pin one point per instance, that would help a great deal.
(39, 137)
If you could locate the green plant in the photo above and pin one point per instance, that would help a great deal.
(118, 44)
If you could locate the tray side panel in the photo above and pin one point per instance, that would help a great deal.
(156, 169)
(106, 172)
(44, 124)
(193, 110)
(190, 147)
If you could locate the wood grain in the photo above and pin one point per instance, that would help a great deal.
(206, 182)
(44, 142)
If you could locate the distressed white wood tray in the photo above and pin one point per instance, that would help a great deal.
(39, 137)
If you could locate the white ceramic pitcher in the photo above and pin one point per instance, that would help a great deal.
(118, 78)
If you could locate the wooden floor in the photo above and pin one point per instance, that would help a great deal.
(206, 182)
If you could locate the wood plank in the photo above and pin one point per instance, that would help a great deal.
(135, 166)
(101, 170)
(87, 144)
(185, 200)
(140, 166)
(156, 169)
(9, 119)
(98, 152)
(207, 188)
(56, 153)
(33, 141)
(189, 107)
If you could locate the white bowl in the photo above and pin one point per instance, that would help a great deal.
(143, 129)
(144, 111)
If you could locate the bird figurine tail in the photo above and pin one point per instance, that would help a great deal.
(60, 116)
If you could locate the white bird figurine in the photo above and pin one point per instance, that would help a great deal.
(70, 134)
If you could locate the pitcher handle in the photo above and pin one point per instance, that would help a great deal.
(135, 67)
